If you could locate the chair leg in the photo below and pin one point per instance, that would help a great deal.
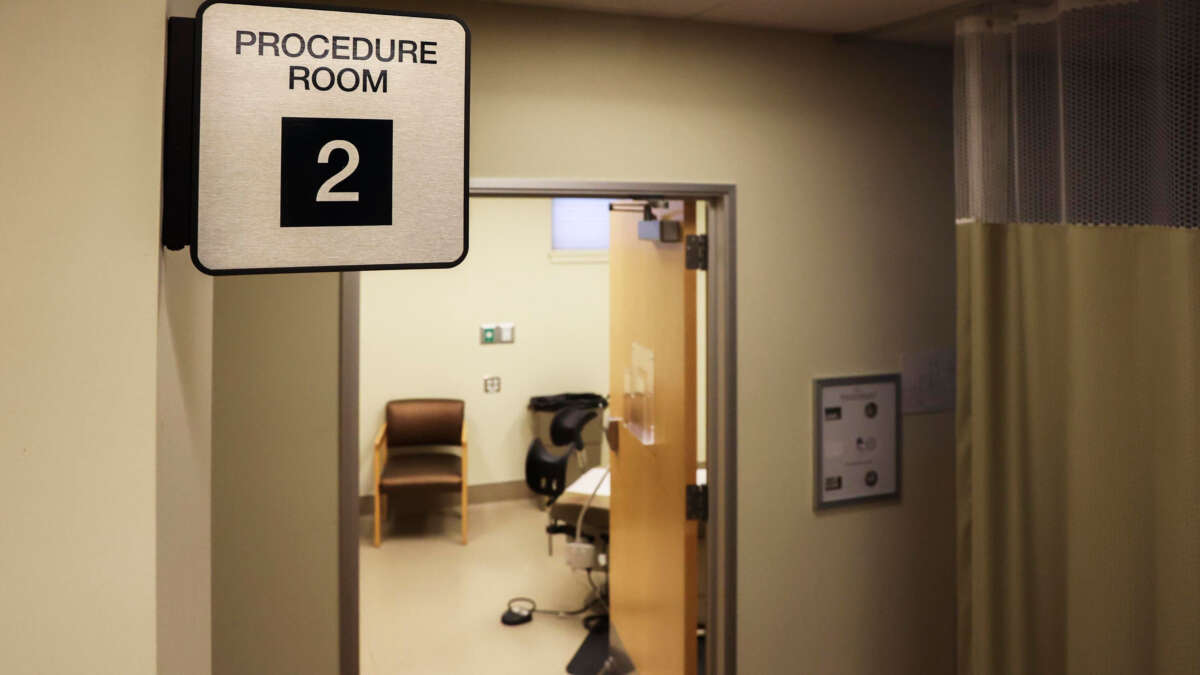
(464, 512)
(376, 538)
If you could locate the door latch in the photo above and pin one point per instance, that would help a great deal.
(697, 503)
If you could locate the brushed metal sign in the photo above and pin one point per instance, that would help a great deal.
(328, 139)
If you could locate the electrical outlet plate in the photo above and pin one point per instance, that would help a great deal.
(488, 334)
(491, 384)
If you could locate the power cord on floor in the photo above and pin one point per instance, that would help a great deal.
(521, 609)
(513, 605)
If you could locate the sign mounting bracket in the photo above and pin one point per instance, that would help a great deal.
(178, 122)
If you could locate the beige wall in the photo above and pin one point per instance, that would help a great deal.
(184, 514)
(420, 335)
(185, 332)
(79, 184)
(184, 485)
(842, 158)
(841, 155)
(274, 474)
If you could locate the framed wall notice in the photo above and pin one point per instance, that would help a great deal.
(856, 446)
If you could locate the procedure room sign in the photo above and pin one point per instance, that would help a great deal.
(329, 139)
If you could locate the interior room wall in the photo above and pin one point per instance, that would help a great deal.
(274, 474)
(184, 463)
(184, 582)
(419, 335)
(842, 158)
(79, 184)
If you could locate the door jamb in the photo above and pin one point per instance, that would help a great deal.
(721, 401)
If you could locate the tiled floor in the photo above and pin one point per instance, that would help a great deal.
(431, 606)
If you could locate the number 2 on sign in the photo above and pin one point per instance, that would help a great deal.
(325, 193)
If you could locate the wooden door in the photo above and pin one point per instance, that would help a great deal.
(652, 584)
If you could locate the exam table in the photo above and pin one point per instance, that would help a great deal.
(546, 474)
(564, 511)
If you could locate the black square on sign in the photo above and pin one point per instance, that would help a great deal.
(335, 172)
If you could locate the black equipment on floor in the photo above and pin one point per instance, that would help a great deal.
(589, 659)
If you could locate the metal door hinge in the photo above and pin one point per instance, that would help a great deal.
(697, 502)
(696, 251)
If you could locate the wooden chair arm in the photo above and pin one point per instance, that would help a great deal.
(463, 443)
(380, 453)
(379, 436)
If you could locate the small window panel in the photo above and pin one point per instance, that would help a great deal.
(579, 224)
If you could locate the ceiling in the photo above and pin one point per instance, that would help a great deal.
(820, 16)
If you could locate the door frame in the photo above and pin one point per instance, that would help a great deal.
(721, 359)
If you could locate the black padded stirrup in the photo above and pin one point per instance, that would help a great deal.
(568, 423)
(545, 472)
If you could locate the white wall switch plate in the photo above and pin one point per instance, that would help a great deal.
(928, 381)
(506, 331)
(491, 384)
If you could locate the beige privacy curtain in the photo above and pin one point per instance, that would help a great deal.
(1078, 167)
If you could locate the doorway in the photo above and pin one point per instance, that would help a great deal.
(719, 361)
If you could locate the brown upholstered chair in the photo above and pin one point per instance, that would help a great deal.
(423, 421)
